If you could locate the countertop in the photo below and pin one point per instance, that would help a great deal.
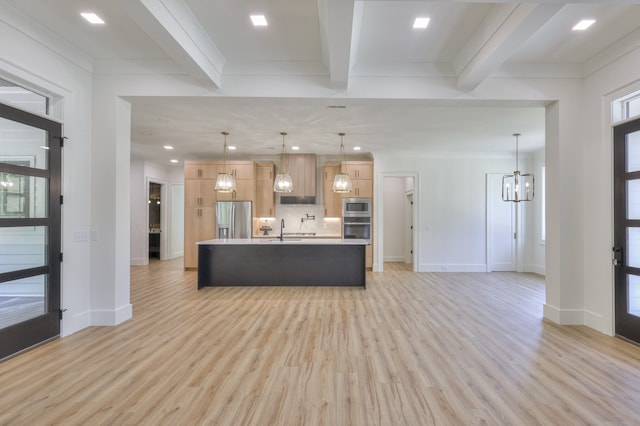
(288, 240)
(298, 235)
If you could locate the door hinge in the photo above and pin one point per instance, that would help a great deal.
(60, 311)
(515, 236)
(62, 199)
(60, 257)
(62, 138)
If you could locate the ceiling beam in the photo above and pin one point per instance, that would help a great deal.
(336, 24)
(504, 30)
(172, 25)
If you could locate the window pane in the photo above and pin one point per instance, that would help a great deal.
(21, 300)
(22, 248)
(633, 199)
(23, 98)
(633, 152)
(633, 295)
(23, 145)
(23, 196)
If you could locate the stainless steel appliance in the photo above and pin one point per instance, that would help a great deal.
(356, 218)
(234, 219)
(356, 207)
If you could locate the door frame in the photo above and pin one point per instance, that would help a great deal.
(21, 336)
(164, 223)
(620, 225)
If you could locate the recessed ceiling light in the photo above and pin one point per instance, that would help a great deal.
(583, 25)
(174, 161)
(92, 17)
(356, 148)
(168, 147)
(231, 147)
(421, 23)
(295, 148)
(258, 20)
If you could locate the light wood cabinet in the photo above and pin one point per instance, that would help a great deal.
(332, 200)
(359, 169)
(361, 174)
(265, 205)
(199, 225)
(302, 168)
(200, 200)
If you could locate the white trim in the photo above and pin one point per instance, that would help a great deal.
(564, 316)
(452, 267)
(110, 317)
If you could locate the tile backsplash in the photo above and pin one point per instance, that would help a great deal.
(301, 218)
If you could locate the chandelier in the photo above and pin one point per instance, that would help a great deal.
(518, 186)
(225, 181)
(283, 182)
(342, 182)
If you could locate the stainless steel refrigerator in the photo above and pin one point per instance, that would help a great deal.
(234, 219)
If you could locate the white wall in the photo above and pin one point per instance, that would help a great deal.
(25, 51)
(172, 236)
(452, 206)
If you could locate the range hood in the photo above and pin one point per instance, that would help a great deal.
(303, 171)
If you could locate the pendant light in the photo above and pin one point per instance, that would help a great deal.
(342, 182)
(512, 185)
(283, 182)
(225, 181)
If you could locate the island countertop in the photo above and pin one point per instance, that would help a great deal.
(286, 241)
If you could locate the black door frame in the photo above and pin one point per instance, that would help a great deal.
(21, 336)
(626, 325)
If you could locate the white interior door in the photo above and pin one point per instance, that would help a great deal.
(501, 228)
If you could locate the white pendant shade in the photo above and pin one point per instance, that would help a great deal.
(283, 183)
(342, 183)
(225, 183)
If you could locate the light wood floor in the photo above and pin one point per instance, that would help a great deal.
(412, 349)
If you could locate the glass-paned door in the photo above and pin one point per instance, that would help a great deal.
(627, 229)
(30, 222)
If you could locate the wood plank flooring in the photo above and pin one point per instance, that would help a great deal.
(412, 349)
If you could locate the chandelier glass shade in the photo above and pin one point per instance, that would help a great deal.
(518, 186)
(225, 181)
(342, 181)
(283, 181)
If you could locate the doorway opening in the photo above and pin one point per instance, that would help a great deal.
(398, 240)
(155, 220)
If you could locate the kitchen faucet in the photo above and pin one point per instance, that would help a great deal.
(281, 228)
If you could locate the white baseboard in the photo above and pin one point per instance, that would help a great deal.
(564, 316)
(536, 269)
(112, 317)
(71, 324)
(139, 261)
(598, 322)
(432, 267)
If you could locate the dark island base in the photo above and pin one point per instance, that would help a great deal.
(281, 265)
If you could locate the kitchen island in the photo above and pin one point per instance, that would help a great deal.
(290, 262)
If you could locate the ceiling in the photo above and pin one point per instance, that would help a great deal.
(336, 41)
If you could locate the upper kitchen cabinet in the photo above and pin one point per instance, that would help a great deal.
(265, 205)
(201, 170)
(332, 200)
(361, 174)
(244, 173)
(302, 168)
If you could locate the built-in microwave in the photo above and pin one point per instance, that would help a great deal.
(356, 207)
